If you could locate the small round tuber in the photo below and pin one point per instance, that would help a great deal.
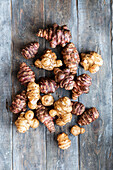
(76, 130)
(47, 100)
(29, 115)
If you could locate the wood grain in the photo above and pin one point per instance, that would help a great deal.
(5, 86)
(94, 18)
(29, 149)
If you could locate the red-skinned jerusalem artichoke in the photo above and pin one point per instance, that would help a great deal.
(19, 103)
(71, 57)
(64, 78)
(81, 85)
(25, 74)
(77, 108)
(44, 117)
(88, 116)
(56, 35)
(47, 85)
(30, 51)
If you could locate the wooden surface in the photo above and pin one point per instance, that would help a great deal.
(90, 22)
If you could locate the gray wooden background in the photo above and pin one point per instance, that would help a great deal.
(90, 22)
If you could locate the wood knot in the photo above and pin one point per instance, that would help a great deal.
(97, 126)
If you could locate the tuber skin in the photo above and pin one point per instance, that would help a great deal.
(25, 74)
(60, 122)
(64, 78)
(47, 85)
(77, 108)
(53, 113)
(47, 100)
(48, 61)
(44, 117)
(33, 94)
(25, 121)
(63, 119)
(19, 103)
(63, 105)
(81, 85)
(76, 130)
(71, 57)
(62, 109)
(88, 116)
(91, 61)
(56, 35)
(63, 141)
(30, 51)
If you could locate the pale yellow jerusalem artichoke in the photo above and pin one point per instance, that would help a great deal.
(33, 94)
(25, 121)
(48, 61)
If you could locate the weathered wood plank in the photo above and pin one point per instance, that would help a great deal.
(62, 12)
(94, 18)
(5, 86)
(112, 69)
(29, 149)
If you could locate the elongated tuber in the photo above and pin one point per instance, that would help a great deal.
(25, 121)
(88, 116)
(71, 57)
(47, 85)
(64, 78)
(33, 94)
(48, 61)
(81, 85)
(63, 141)
(19, 103)
(91, 61)
(30, 51)
(44, 117)
(56, 35)
(25, 74)
(76, 130)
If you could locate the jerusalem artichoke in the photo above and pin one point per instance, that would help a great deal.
(63, 141)
(33, 94)
(56, 35)
(48, 61)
